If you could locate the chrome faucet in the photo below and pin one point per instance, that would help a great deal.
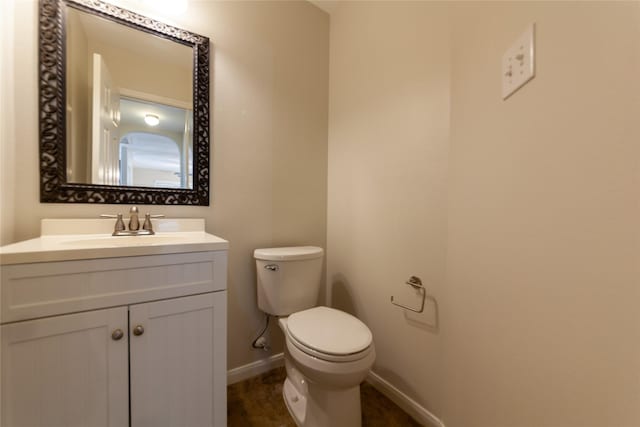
(134, 224)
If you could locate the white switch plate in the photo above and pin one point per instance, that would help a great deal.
(518, 63)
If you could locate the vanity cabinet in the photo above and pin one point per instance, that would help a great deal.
(137, 341)
(66, 370)
(171, 362)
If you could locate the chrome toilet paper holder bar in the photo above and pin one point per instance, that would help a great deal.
(416, 283)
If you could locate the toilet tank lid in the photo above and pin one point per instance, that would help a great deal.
(288, 253)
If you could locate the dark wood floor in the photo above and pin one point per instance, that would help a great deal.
(258, 402)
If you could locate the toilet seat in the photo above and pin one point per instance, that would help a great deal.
(329, 357)
(329, 334)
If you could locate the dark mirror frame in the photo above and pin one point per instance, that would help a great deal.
(54, 187)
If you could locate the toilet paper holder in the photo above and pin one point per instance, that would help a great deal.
(416, 283)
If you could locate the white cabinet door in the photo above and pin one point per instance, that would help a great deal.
(178, 374)
(66, 371)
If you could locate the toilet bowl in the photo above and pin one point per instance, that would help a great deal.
(328, 352)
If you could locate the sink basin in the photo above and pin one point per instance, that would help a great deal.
(124, 241)
(67, 239)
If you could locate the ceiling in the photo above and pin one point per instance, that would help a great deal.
(132, 112)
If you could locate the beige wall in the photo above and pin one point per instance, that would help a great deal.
(147, 74)
(269, 85)
(542, 325)
(7, 116)
(79, 96)
(388, 146)
(144, 177)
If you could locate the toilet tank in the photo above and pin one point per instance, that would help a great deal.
(288, 278)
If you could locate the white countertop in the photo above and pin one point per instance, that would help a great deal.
(55, 244)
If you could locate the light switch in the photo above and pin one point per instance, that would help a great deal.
(518, 63)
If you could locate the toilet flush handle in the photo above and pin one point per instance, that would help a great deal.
(272, 267)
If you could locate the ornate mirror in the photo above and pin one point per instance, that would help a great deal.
(124, 107)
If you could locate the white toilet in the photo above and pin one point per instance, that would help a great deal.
(328, 352)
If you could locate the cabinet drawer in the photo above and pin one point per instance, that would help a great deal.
(46, 289)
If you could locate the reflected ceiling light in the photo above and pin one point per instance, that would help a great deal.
(170, 7)
(151, 119)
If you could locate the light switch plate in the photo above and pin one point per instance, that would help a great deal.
(518, 63)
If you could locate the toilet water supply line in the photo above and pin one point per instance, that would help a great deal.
(261, 342)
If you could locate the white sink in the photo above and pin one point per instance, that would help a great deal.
(75, 239)
(123, 241)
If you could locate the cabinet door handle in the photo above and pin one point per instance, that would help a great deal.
(117, 335)
(138, 330)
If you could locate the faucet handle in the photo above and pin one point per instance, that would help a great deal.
(119, 222)
(147, 221)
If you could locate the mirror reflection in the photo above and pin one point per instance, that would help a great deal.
(129, 102)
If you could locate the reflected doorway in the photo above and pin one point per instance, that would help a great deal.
(152, 160)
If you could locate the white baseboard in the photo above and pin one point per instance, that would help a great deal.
(253, 369)
(410, 406)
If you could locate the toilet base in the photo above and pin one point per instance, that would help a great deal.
(312, 405)
(296, 403)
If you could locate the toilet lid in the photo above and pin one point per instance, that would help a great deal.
(329, 331)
